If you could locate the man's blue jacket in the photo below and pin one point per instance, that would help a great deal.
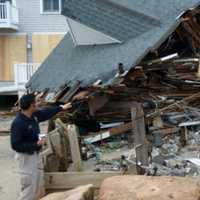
(25, 131)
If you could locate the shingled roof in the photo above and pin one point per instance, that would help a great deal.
(140, 25)
(110, 18)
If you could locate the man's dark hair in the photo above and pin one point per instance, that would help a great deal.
(26, 101)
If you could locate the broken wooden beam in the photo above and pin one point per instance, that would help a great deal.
(139, 131)
(72, 134)
(109, 133)
(174, 105)
(70, 180)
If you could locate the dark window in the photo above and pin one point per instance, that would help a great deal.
(51, 6)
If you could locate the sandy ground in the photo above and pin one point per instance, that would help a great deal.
(9, 180)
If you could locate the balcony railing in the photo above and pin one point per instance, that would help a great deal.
(9, 16)
(23, 72)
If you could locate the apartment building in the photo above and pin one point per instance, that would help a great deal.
(29, 31)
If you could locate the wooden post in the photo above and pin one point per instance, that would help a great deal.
(72, 134)
(139, 132)
(65, 148)
(74, 146)
(183, 136)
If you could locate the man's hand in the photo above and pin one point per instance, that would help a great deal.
(42, 142)
(66, 106)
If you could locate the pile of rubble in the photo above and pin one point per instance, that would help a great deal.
(148, 116)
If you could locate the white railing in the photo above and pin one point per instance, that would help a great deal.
(14, 15)
(23, 72)
(3, 12)
(9, 15)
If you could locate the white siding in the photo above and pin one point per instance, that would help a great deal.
(31, 20)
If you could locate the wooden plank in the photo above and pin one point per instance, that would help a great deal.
(58, 143)
(55, 141)
(98, 137)
(184, 136)
(140, 135)
(109, 133)
(121, 129)
(74, 146)
(69, 180)
(167, 131)
(183, 102)
(65, 148)
(72, 133)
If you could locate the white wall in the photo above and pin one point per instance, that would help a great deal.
(31, 20)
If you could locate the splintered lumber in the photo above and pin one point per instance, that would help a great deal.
(72, 134)
(56, 145)
(65, 147)
(55, 141)
(174, 105)
(163, 59)
(69, 180)
(167, 131)
(109, 133)
(74, 146)
(139, 132)
(121, 129)
(98, 137)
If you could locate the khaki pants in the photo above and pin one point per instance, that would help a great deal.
(30, 170)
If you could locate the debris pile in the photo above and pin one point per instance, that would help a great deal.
(151, 112)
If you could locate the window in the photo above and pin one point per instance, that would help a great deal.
(50, 6)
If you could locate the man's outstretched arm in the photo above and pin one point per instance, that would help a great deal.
(48, 113)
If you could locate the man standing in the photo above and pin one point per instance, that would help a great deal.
(27, 144)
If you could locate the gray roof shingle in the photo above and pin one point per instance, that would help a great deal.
(109, 18)
(69, 63)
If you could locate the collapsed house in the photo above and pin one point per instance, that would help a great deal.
(130, 68)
